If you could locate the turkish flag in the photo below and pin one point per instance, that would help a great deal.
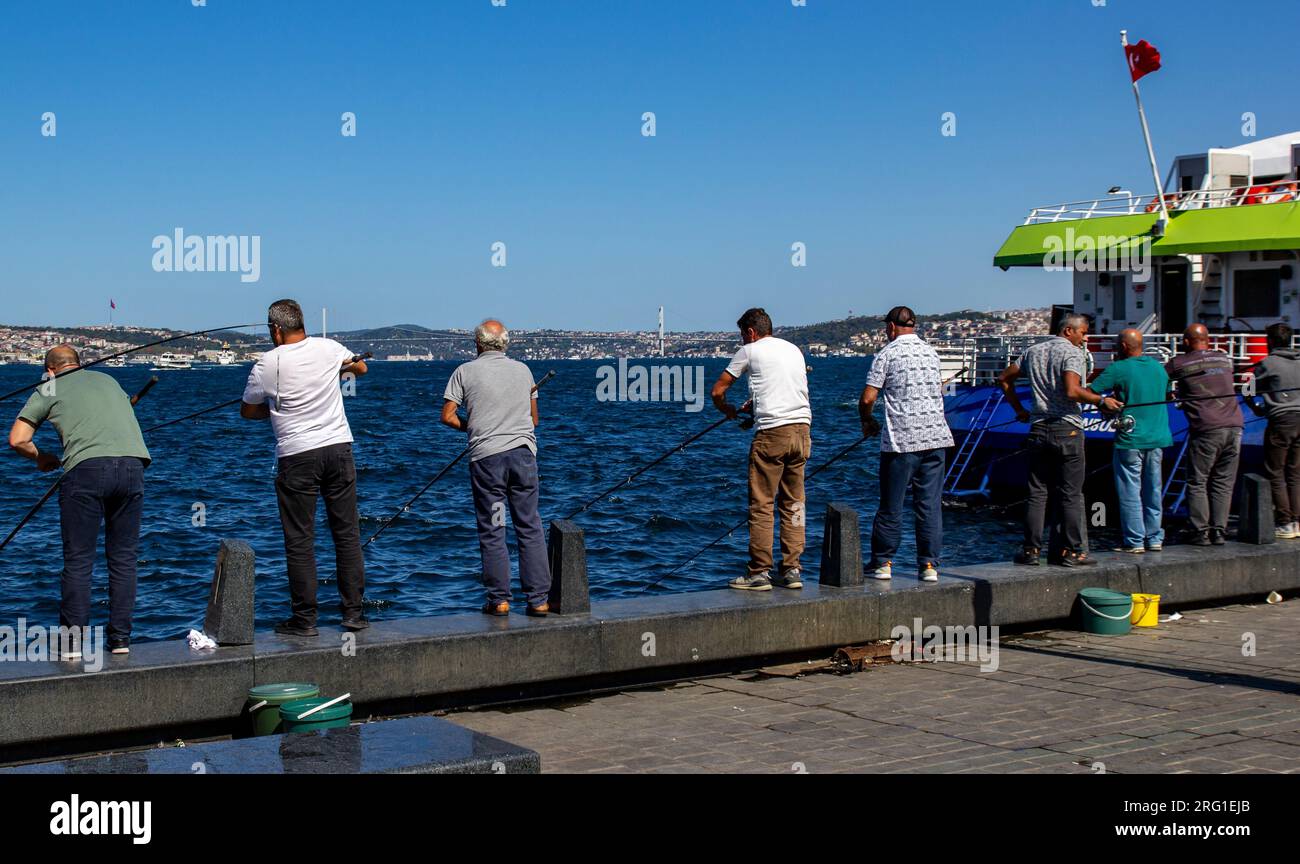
(1143, 58)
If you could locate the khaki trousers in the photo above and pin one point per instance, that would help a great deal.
(776, 465)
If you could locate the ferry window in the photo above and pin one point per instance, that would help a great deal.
(1118, 298)
(1257, 293)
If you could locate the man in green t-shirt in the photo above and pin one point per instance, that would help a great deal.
(1140, 447)
(104, 458)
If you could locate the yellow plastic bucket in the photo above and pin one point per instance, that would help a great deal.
(1146, 610)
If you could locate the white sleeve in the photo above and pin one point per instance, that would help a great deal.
(254, 393)
(739, 364)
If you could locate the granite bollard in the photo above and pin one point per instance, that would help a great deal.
(230, 604)
(1255, 515)
(841, 547)
(567, 551)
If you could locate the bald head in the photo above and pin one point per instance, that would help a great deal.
(1196, 337)
(60, 357)
(491, 335)
(1130, 342)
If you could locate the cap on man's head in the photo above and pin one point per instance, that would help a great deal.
(901, 316)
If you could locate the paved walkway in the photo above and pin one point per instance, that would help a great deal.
(1179, 698)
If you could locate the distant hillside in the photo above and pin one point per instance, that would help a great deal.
(839, 332)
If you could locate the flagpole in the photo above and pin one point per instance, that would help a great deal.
(1146, 133)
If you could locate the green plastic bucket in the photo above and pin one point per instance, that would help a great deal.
(1106, 613)
(264, 703)
(337, 715)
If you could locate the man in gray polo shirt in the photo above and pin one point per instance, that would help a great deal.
(500, 413)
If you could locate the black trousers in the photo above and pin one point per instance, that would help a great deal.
(1282, 456)
(1056, 473)
(107, 491)
(1212, 458)
(329, 473)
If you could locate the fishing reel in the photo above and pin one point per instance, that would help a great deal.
(1125, 423)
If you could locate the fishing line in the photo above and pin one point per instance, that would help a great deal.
(427, 486)
(22, 390)
(358, 358)
(55, 487)
(644, 468)
(149, 385)
(741, 523)
(1171, 401)
(1095, 470)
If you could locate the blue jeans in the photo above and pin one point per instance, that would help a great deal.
(1138, 486)
(509, 481)
(106, 491)
(921, 471)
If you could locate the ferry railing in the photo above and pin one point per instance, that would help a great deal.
(1198, 199)
(980, 360)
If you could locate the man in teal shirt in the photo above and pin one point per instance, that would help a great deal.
(1140, 448)
(104, 457)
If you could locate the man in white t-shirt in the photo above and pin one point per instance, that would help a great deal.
(296, 386)
(778, 385)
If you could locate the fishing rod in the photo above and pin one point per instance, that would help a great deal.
(357, 359)
(646, 467)
(192, 416)
(822, 467)
(427, 486)
(49, 493)
(1174, 400)
(106, 358)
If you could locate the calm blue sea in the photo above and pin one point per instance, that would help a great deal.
(428, 563)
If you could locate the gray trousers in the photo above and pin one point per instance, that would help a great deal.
(1212, 458)
(508, 482)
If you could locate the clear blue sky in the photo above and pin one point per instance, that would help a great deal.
(522, 124)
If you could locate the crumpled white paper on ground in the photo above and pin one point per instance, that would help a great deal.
(198, 641)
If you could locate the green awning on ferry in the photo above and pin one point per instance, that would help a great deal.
(1190, 232)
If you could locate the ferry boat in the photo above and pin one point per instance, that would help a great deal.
(174, 361)
(226, 357)
(1227, 255)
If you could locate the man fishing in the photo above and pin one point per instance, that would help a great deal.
(104, 458)
(1277, 382)
(1140, 381)
(913, 444)
(778, 383)
(1204, 378)
(296, 386)
(1056, 369)
(500, 405)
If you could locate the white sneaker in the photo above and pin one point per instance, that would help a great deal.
(928, 573)
(884, 571)
(1286, 532)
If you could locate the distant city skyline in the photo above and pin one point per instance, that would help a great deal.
(782, 134)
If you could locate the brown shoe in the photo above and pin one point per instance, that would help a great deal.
(540, 611)
(496, 609)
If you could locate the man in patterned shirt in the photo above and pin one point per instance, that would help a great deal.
(913, 442)
(1056, 370)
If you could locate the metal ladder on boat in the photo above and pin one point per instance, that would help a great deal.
(969, 447)
(1176, 486)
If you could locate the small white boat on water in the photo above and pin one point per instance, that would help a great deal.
(175, 361)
